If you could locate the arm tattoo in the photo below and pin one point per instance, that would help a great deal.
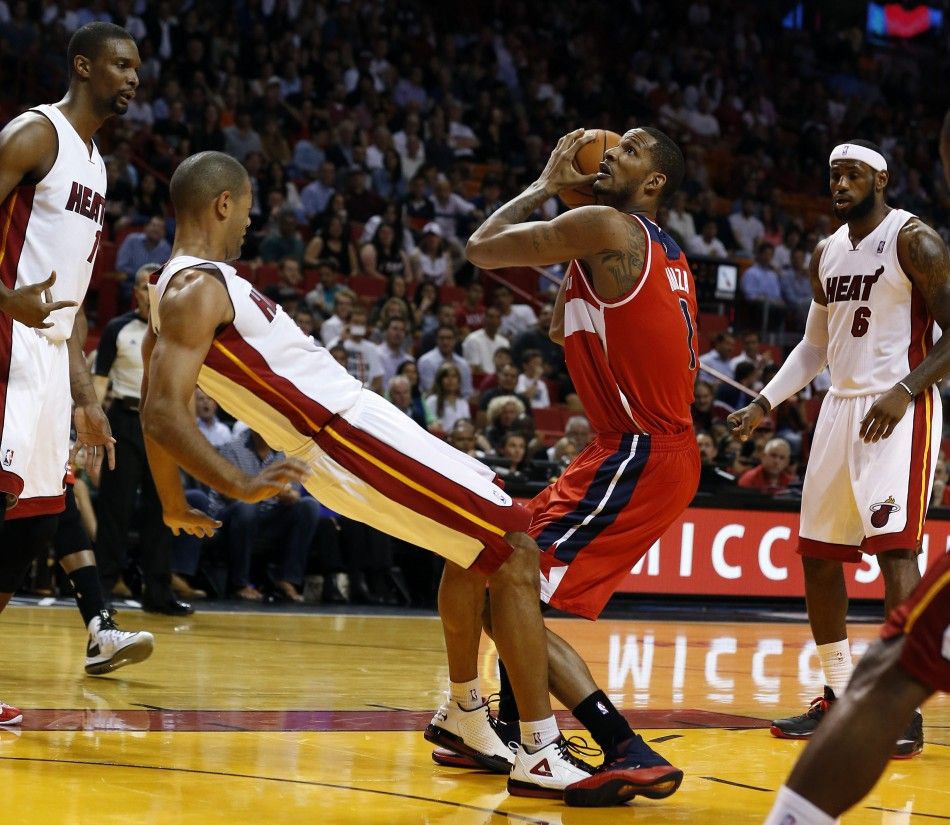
(929, 260)
(625, 265)
(518, 209)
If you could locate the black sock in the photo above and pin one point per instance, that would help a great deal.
(88, 590)
(598, 714)
(507, 706)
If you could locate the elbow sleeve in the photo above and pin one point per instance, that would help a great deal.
(804, 362)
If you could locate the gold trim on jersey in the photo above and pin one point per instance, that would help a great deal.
(925, 465)
(922, 605)
(413, 484)
(6, 227)
(455, 508)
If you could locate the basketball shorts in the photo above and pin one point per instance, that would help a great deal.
(374, 464)
(868, 498)
(924, 619)
(607, 509)
(35, 412)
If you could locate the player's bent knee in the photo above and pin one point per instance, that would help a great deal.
(520, 570)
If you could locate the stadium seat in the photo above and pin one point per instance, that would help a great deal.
(366, 286)
(451, 294)
(549, 422)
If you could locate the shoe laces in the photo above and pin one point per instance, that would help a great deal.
(818, 707)
(569, 746)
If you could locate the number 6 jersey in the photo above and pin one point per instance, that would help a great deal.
(879, 328)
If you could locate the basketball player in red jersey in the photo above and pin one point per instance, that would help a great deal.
(849, 751)
(354, 451)
(52, 202)
(625, 314)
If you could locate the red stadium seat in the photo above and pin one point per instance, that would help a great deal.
(549, 422)
(711, 323)
(451, 294)
(266, 275)
(366, 286)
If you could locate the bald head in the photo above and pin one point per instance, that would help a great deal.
(201, 178)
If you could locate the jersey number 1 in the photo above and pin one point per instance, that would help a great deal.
(690, 333)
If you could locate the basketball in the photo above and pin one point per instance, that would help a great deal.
(587, 160)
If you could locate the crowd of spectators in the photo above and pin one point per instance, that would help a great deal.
(378, 135)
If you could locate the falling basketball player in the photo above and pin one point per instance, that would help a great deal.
(52, 204)
(880, 283)
(352, 449)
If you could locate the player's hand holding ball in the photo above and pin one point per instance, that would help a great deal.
(573, 166)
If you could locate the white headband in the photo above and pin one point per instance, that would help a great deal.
(851, 151)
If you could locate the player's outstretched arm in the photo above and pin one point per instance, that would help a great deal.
(923, 256)
(27, 153)
(189, 314)
(505, 240)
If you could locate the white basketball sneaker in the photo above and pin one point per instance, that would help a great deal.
(110, 648)
(548, 771)
(470, 733)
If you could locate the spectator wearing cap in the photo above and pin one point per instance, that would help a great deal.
(431, 260)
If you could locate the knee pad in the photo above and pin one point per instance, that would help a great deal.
(24, 540)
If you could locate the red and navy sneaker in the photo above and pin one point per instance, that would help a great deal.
(805, 724)
(636, 770)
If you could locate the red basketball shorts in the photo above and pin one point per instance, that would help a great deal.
(613, 502)
(924, 619)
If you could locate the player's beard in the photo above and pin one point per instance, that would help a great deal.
(118, 106)
(857, 211)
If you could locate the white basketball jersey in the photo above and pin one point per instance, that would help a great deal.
(879, 328)
(262, 368)
(56, 224)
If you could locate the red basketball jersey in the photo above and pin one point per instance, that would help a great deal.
(633, 359)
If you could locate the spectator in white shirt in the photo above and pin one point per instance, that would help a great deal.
(393, 349)
(719, 357)
(363, 361)
(462, 138)
(217, 432)
(680, 221)
(515, 318)
(708, 244)
(431, 260)
(428, 364)
(479, 347)
(446, 405)
(450, 208)
(747, 229)
(333, 326)
(531, 383)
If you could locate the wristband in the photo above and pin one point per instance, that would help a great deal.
(909, 391)
(762, 404)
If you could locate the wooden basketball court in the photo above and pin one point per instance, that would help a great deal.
(270, 718)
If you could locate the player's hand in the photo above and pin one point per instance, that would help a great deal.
(884, 415)
(743, 422)
(559, 173)
(191, 521)
(31, 305)
(94, 433)
(274, 479)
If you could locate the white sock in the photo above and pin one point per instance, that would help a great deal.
(468, 695)
(837, 665)
(791, 807)
(536, 735)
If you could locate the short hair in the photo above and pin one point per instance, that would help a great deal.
(89, 40)
(668, 158)
(201, 178)
(867, 144)
(146, 269)
(398, 380)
